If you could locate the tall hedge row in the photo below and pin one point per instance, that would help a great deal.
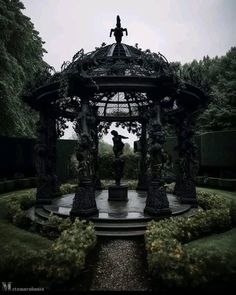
(131, 168)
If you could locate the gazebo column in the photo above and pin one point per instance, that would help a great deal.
(157, 203)
(44, 159)
(84, 203)
(98, 184)
(185, 187)
(142, 177)
(52, 154)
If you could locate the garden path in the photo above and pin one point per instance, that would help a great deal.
(121, 265)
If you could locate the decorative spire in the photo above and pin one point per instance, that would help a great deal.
(118, 31)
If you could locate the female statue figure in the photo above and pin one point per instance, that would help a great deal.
(118, 144)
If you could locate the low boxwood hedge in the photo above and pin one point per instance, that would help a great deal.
(220, 183)
(63, 261)
(17, 184)
(171, 263)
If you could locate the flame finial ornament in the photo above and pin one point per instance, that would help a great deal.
(118, 31)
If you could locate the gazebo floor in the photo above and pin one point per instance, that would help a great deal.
(115, 218)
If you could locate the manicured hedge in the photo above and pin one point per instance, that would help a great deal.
(17, 184)
(131, 168)
(171, 263)
(67, 188)
(220, 183)
(63, 261)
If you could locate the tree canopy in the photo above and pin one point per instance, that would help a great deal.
(21, 60)
(217, 77)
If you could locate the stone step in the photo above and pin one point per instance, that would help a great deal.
(119, 227)
(40, 212)
(34, 217)
(119, 220)
(120, 233)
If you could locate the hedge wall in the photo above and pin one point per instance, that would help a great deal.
(216, 155)
(131, 168)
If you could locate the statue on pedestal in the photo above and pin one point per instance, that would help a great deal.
(118, 144)
(118, 192)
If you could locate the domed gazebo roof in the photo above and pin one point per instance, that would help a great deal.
(118, 59)
(119, 68)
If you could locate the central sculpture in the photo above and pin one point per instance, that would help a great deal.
(118, 192)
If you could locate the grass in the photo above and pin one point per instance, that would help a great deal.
(225, 242)
(14, 239)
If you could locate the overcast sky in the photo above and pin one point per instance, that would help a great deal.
(182, 30)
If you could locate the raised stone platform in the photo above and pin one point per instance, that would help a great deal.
(114, 218)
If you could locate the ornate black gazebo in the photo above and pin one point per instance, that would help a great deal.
(117, 83)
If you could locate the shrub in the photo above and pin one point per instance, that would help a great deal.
(67, 188)
(170, 188)
(16, 208)
(27, 200)
(61, 262)
(54, 226)
(131, 167)
(171, 263)
(66, 258)
(211, 200)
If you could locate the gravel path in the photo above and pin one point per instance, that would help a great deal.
(121, 266)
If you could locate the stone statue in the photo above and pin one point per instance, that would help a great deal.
(118, 144)
(84, 156)
(118, 192)
(118, 31)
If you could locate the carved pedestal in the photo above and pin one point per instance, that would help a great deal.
(84, 203)
(44, 191)
(98, 184)
(186, 191)
(142, 183)
(118, 169)
(118, 193)
(157, 203)
(188, 165)
(142, 177)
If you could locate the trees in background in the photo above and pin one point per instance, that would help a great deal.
(217, 77)
(21, 61)
(22, 66)
(105, 148)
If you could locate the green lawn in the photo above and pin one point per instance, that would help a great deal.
(225, 242)
(14, 239)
